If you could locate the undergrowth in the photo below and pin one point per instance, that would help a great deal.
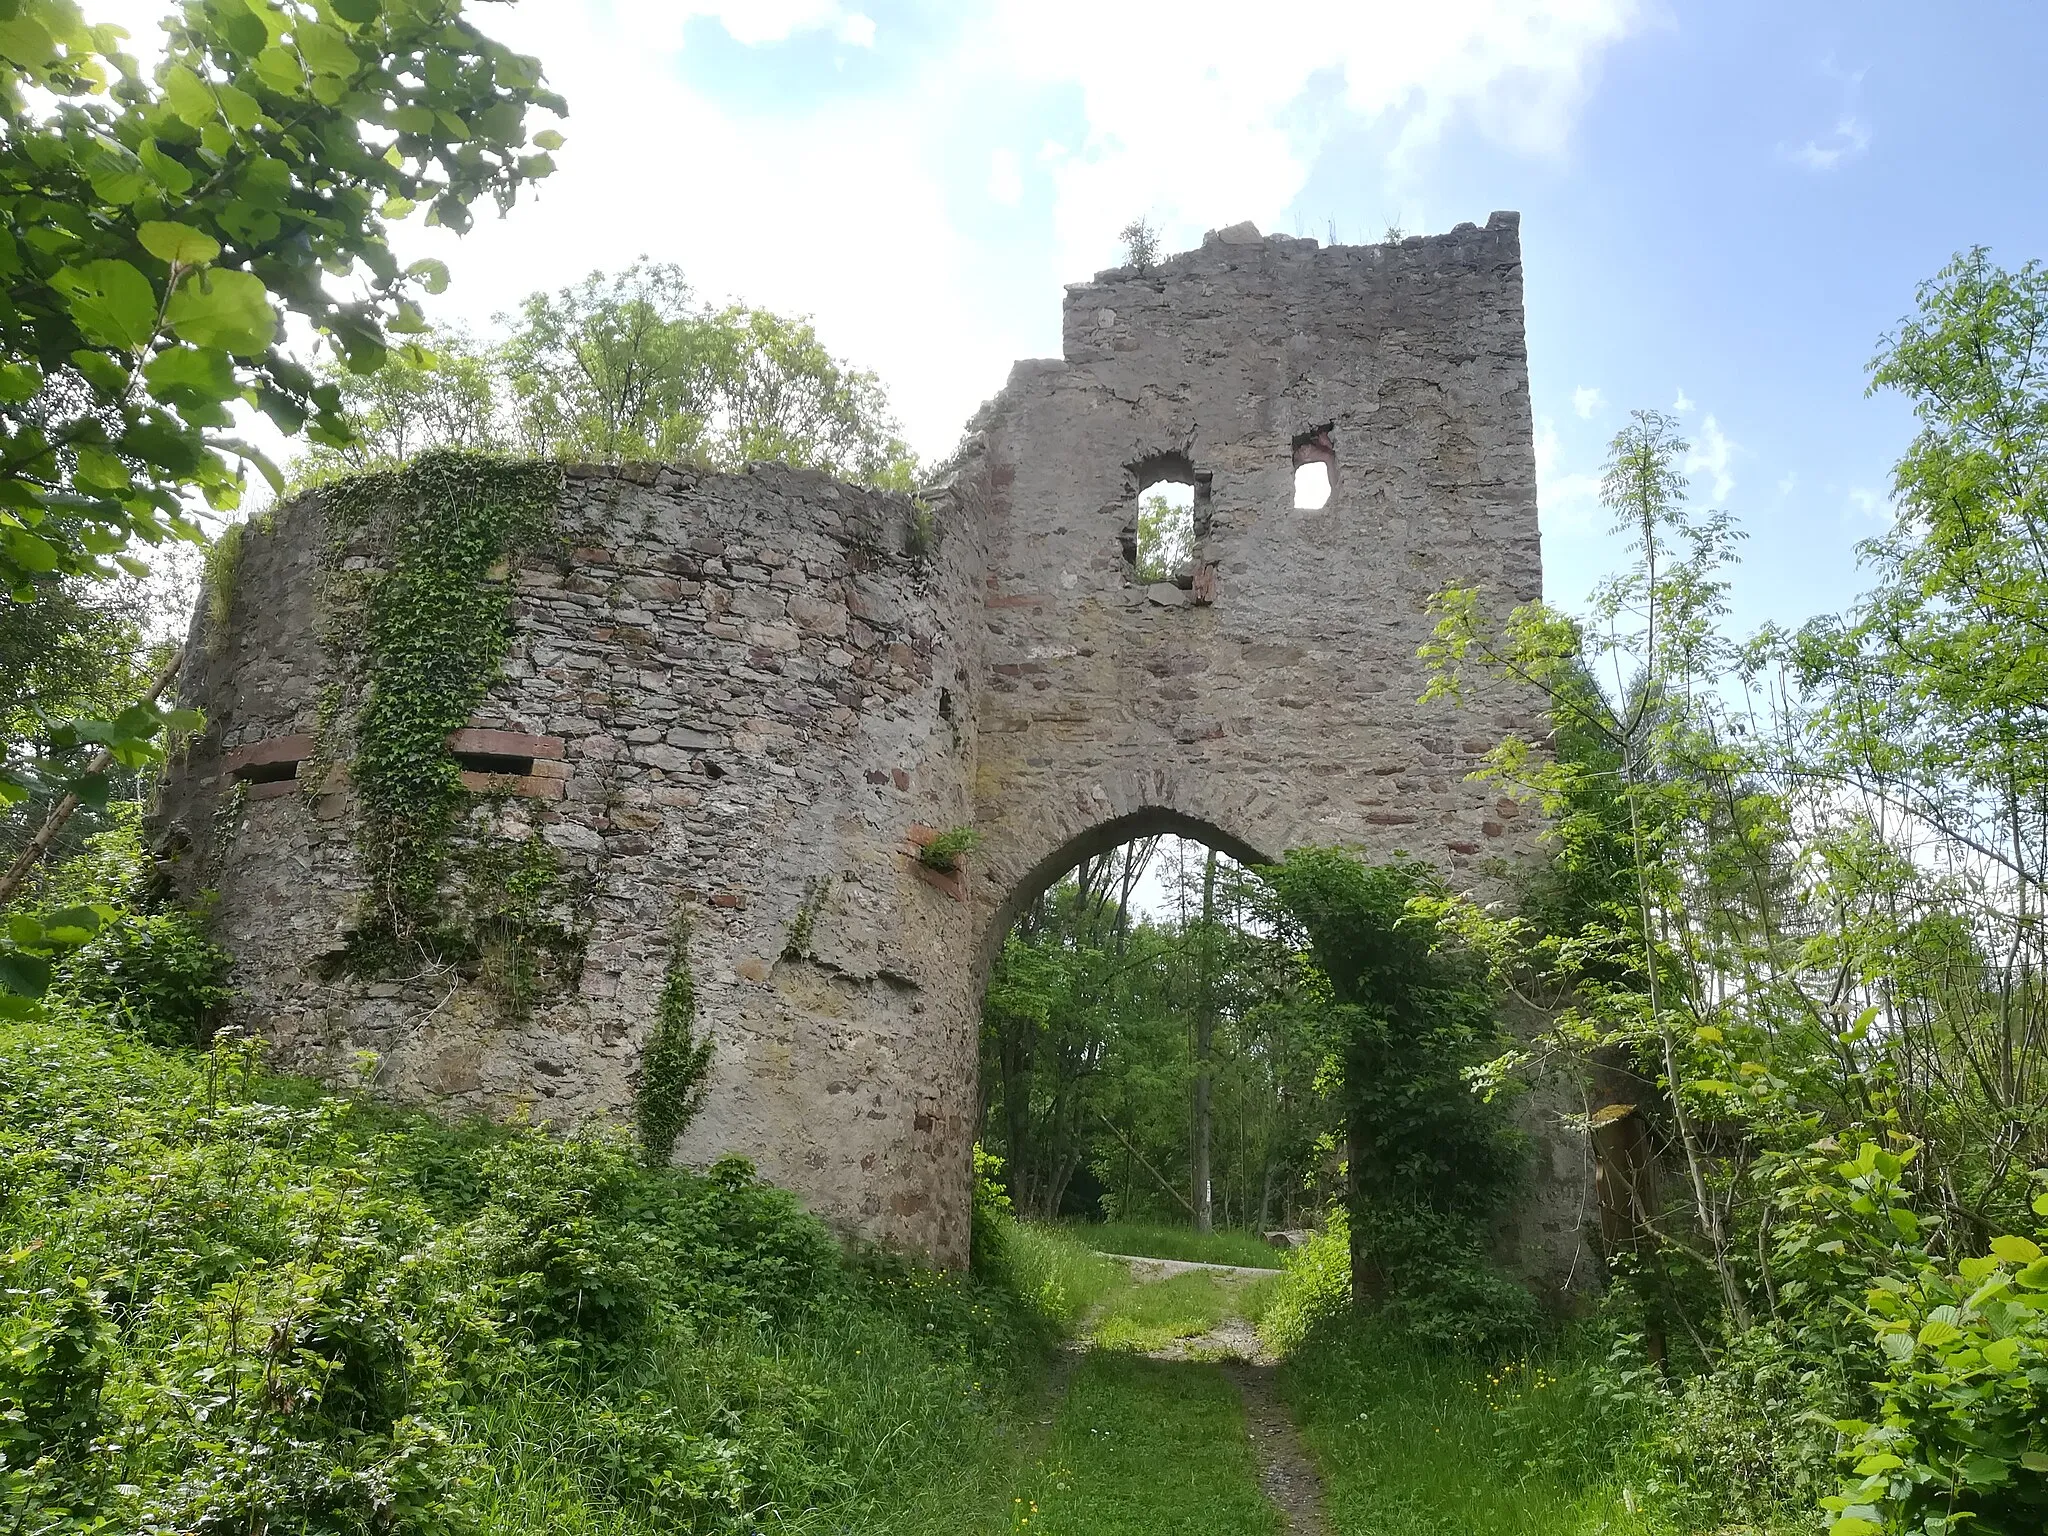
(240, 1303)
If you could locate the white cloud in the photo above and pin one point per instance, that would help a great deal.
(856, 30)
(1683, 403)
(1586, 400)
(1788, 484)
(1869, 503)
(1567, 500)
(1850, 139)
(1005, 182)
(1711, 455)
(1229, 148)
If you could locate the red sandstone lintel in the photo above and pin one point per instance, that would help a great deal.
(495, 743)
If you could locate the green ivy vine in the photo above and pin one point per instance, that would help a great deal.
(674, 1065)
(430, 623)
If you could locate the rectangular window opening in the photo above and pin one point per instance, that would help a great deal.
(494, 762)
(1166, 531)
(267, 773)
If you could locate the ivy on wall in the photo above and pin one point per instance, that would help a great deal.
(676, 1061)
(429, 624)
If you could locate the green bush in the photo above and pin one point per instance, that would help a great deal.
(238, 1302)
(158, 973)
(1959, 1441)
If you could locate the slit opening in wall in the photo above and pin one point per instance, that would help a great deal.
(1315, 463)
(267, 773)
(494, 762)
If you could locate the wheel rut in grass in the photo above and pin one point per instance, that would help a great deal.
(1285, 1470)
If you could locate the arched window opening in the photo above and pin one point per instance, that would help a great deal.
(1315, 463)
(1145, 1062)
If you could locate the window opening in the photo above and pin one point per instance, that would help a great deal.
(1315, 457)
(1166, 531)
(1312, 486)
(267, 773)
(494, 762)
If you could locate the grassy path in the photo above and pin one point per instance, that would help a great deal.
(1167, 1425)
(1146, 1447)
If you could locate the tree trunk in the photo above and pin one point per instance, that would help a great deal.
(1205, 1034)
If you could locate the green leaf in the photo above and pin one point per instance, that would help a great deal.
(279, 68)
(2034, 1461)
(112, 303)
(360, 12)
(71, 927)
(1855, 1525)
(1897, 1345)
(188, 96)
(27, 42)
(240, 108)
(1937, 1331)
(225, 309)
(548, 139)
(325, 50)
(19, 382)
(2035, 1276)
(203, 370)
(2002, 1354)
(2015, 1250)
(177, 243)
(102, 372)
(433, 275)
(23, 975)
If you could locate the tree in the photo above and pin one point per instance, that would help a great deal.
(1141, 244)
(629, 366)
(439, 392)
(154, 228)
(156, 225)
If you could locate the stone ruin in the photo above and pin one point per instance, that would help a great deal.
(745, 697)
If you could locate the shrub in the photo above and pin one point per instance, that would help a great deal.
(157, 973)
(1314, 1289)
(237, 1303)
(1959, 1441)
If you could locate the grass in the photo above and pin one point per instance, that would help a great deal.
(1411, 1444)
(1149, 1317)
(1059, 1273)
(1147, 1448)
(1152, 1241)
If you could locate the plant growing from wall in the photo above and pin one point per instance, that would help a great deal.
(520, 952)
(435, 620)
(945, 851)
(798, 939)
(676, 1061)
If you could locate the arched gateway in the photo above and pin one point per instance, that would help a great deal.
(747, 698)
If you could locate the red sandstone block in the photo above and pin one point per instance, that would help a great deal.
(494, 743)
(279, 749)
